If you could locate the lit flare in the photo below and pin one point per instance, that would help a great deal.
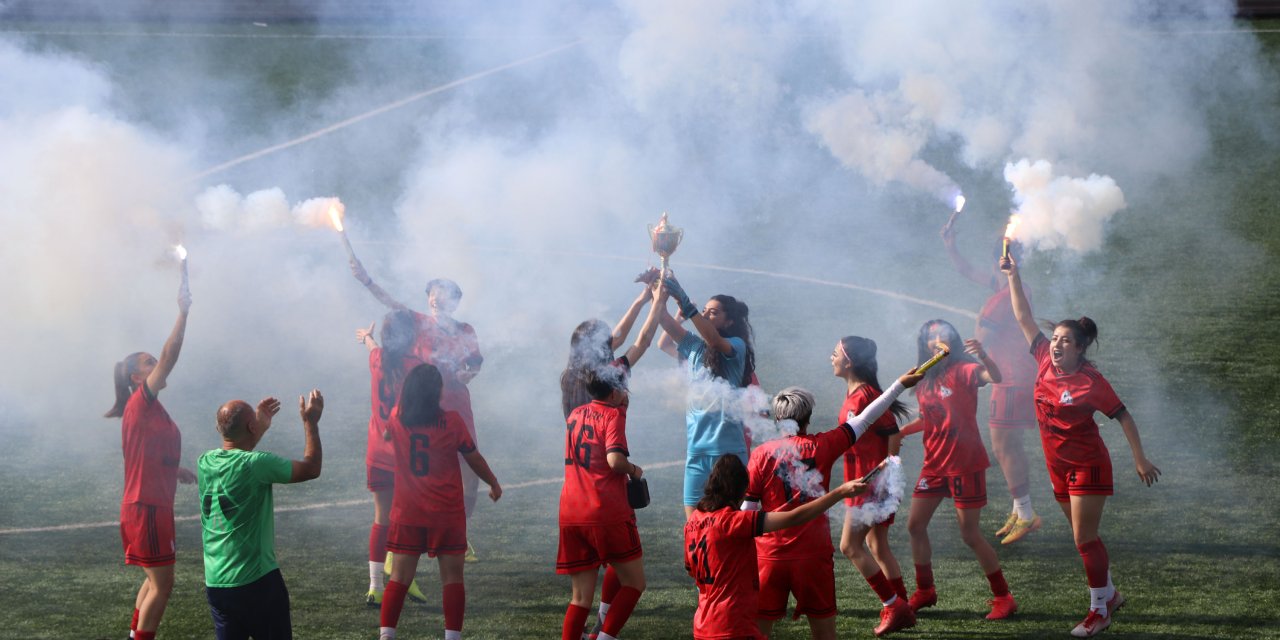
(336, 216)
(1009, 231)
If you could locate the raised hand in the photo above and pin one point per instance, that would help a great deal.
(267, 409)
(687, 308)
(362, 333)
(1008, 266)
(311, 407)
(357, 270)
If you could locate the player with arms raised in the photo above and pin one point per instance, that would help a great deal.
(1069, 390)
(597, 524)
(152, 448)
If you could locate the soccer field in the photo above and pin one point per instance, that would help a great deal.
(1185, 288)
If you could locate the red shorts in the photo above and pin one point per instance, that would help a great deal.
(969, 490)
(1080, 480)
(378, 479)
(1012, 408)
(147, 534)
(587, 546)
(449, 538)
(812, 580)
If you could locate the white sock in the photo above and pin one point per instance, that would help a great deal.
(452, 635)
(605, 636)
(893, 598)
(386, 633)
(604, 611)
(375, 576)
(1111, 586)
(1098, 597)
(1022, 507)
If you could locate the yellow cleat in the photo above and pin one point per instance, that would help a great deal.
(1008, 525)
(414, 592)
(1020, 529)
(471, 554)
(373, 598)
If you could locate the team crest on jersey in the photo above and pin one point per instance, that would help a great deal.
(944, 391)
(923, 485)
(1066, 397)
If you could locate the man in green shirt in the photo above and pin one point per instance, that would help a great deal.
(246, 592)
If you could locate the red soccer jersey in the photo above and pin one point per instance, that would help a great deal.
(1065, 405)
(428, 475)
(721, 556)
(384, 395)
(873, 446)
(1002, 338)
(779, 470)
(152, 448)
(592, 492)
(451, 348)
(949, 408)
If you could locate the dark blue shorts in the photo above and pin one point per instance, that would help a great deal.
(258, 610)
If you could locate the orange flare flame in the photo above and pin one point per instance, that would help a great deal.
(336, 216)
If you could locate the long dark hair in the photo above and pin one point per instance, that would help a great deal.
(861, 353)
(399, 330)
(739, 327)
(420, 398)
(950, 337)
(590, 347)
(1084, 331)
(726, 486)
(124, 383)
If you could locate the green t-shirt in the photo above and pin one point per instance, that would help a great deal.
(236, 514)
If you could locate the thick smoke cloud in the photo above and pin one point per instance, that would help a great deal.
(814, 138)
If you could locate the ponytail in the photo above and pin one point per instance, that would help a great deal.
(124, 384)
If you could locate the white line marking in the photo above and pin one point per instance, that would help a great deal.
(380, 110)
(299, 507)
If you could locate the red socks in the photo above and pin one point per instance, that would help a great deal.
(455, 606)
(1096, 563)
(609, 590)
(144, 635)
(620, 609)
(899, 587)
(392, 603)
(924, 576)
(378, 543)
(998, 586)
(575, 619)
(881, 586)
(133, 624)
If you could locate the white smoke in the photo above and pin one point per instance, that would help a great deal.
(1060, 211)
(880, 137)
(883, 497)
(224, 209)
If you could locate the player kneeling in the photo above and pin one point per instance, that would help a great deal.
(720, 548)
(597, 524)
(427, 512)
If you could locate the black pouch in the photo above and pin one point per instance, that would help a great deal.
(637, 493)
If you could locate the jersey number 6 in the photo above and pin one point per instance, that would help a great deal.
(419, 461)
